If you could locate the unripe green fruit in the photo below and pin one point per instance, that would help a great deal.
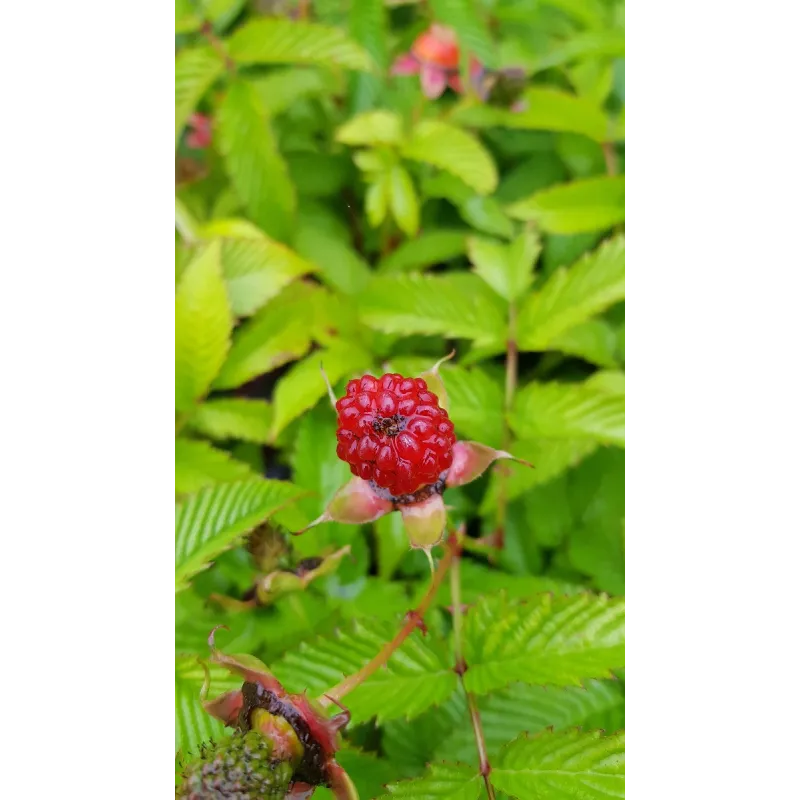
(239, 767)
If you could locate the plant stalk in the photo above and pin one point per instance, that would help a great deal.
(414, 621)
(461, 668)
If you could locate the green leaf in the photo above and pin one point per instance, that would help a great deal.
(445, 733)
(561, 766)
(476, 404)
(196, 69)
(376, 202)
(202, 326)
(570, 411)
(597, 500)
(553, 110)
(592, 44)
(548, 640)
(282, 88)
(193, 724)
(590, 13)
(572, 296)
(303, 386)
(594, 341)
(371, 128)
(550, 457)
(454, 781)
(233, 418)
(508, 269)
(255, 267)
(198, 464)
(403, 199)
(285, 41)
(256, 168)
(454, 150)
(418, 675)
(485, 214)
(533, 709)
(369, 27)
(426, 250)
(464, 17)
(214, 520)
(339, 264)
(185, 223)
(458, 305)
(279, 333)
(582, 206)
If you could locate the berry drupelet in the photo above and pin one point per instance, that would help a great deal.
(393, 432)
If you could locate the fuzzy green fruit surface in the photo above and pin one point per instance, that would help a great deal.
(239, 767)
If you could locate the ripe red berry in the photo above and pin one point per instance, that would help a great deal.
(392, 431)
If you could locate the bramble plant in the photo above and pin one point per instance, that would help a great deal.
(419, 592)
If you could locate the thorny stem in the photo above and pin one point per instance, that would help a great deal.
(461, 668)
(412, 623)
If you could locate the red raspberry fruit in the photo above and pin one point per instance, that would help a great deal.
(392, 431)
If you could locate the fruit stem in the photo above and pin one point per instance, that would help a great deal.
(414, 621)
(461, 668)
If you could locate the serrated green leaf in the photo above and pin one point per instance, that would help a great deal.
(553, 110)
(198, 464)
(417, 676)
(570, 411)
(593, 204)
(464, 17)
(193, 724)
(369, 27)
(202, 326)
(233, 418)
(403, 200)
(371, 128)
(196, 69)
(454, 781)
(485, 214)
(255, 267)
(594, 341)
(533, 709)
(279, 333)
(281, 88)
(572, 296)
(458, 305)
(303, 386)
(285, 41)
(428, 249)
(548, 640)
(256, 168)
(454, 150)
(562, 766)
(476, 404)
(592, 44)
(214, 520)
(591, 13)
(550, 457)
(508, 269)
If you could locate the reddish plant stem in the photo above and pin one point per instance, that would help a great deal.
(461, 667)
(610, 155)
(415, 619)
(207, 29)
